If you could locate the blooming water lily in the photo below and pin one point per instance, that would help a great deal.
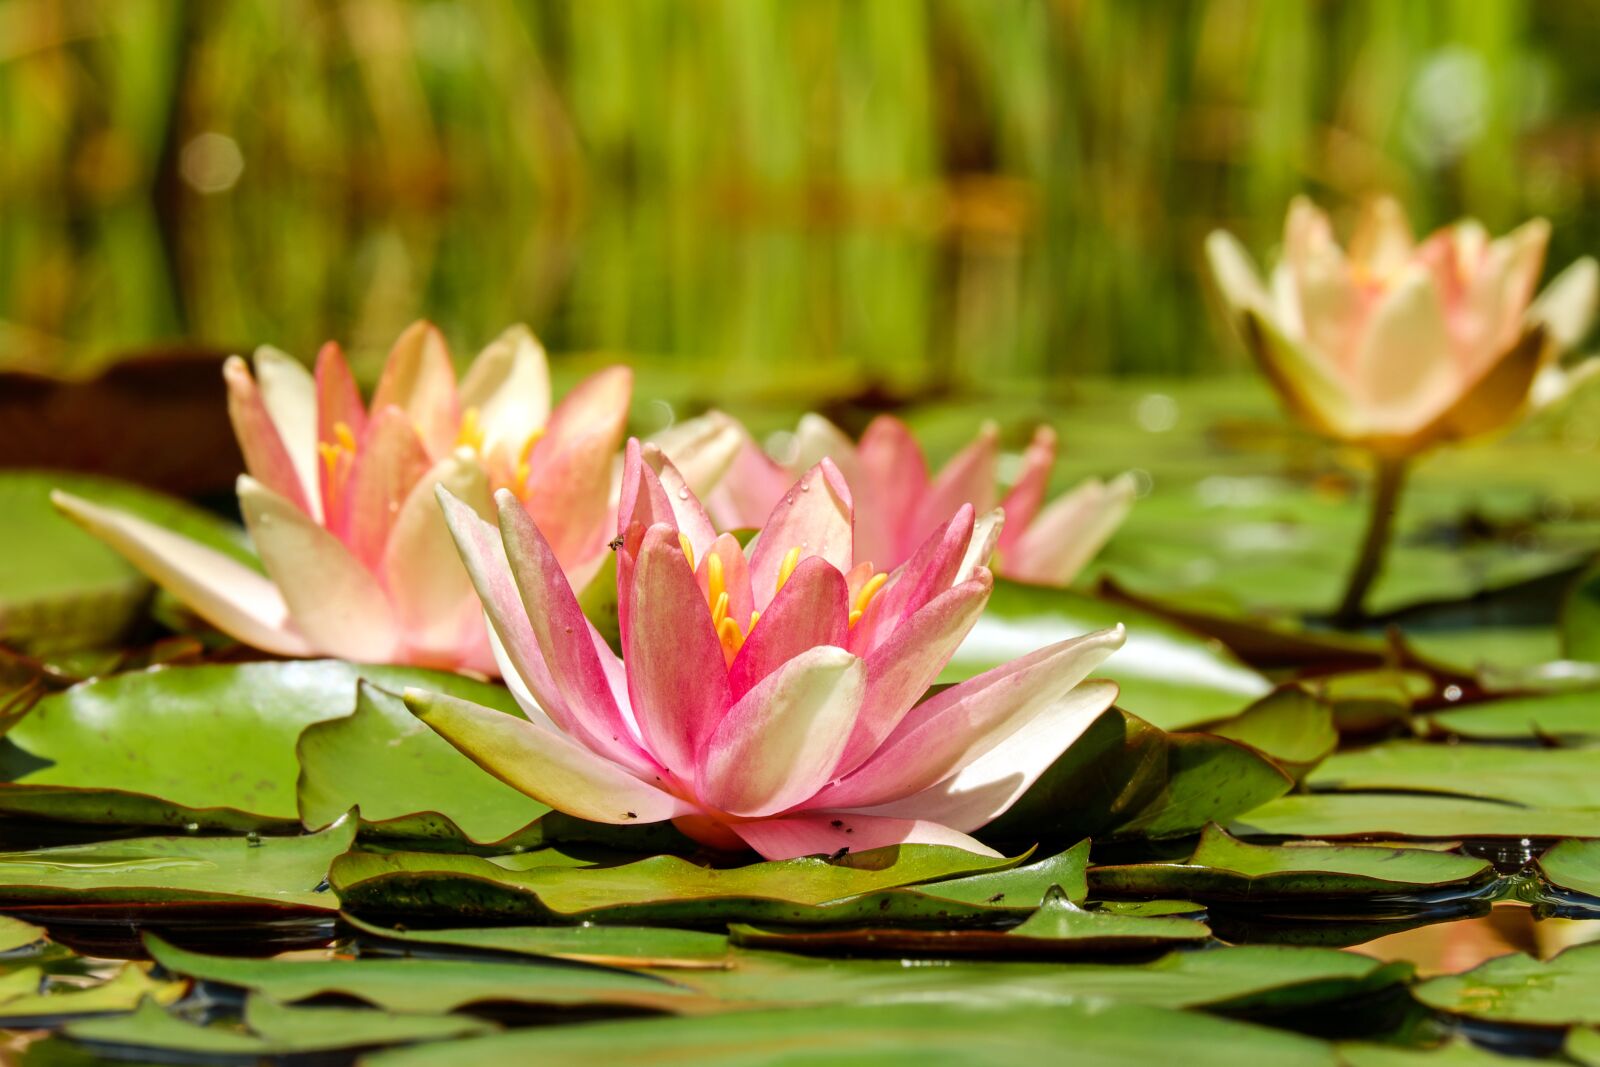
(1043, 543)
(340, 501)
(766, 696)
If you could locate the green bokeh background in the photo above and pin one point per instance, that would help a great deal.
(922, 195)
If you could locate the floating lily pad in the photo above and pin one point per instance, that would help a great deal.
(1097, 1034)
(1224, 869)
(1169, 676)
(1573, 866)
(269, 1029)
(144, 870)
(429, 986)
(1126, 778)
(407, 780)
(663, 889)
(210, 746)
(1521, 989)
(27, 999)
(1580, 618)
(1382, 816)
(1583, 1046)
(1290, 725)
(1571, 716)
(1457, 1053)
(1370, 701)
(16, 934)
(623, 946)
(1531, 777)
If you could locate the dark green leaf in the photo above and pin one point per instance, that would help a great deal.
(1384, 816)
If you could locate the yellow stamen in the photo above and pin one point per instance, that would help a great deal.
(732, 640)
(471, 433)
(719, 610)
(336, 456)
(855, 617)
(519, 481)
(755, 617)
(870, 590)
(791, 560)
(345, 436)
(716, 585)
(688, 548)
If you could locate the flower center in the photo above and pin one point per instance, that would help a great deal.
(338, 456)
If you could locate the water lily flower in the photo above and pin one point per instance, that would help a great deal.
(340, 501)
(1043, 544)
(766, 698)
(1397, 344)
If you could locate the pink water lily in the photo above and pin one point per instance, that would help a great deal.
(1043, 543)
(340, 501)
(1397, 344)
(768, 697)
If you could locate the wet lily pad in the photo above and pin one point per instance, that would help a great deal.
(1571, 716)
(407, 780)
(210, 746)
(1225, 869)
(1382, 816)
(1574, 866)
(623, 946)
(1532, 777)
(1290, 725)
(1521, 989)
(1125, 778)
(269, 1029)
(429, 986)
(1098, 1034)
(1169, 676)
(145, 870)
(28, 999)
(664, 889)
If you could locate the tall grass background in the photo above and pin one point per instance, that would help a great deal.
(930, 195)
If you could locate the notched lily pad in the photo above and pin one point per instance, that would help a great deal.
(663, 889)
(1523, 990)
(407, 780)
(28, 998)
(1290, 725)
(1225, 869)
(1573, 868)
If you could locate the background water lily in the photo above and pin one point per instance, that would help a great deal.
(1399, 345)
(340, 503)
(1043, 543)
(764, 699)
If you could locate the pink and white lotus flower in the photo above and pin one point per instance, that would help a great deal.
(1043, 544)
(1398, 345)
(340, 501)
(768, 698)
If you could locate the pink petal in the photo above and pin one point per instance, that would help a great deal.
(389, 464)
(290, 396)
(1406, 370)
(986, 533)
(227, 594)
(653, 491)
(962, 724)
(896, 478)
(1022, 503)
(1069, 532)
(565, 639)
(969, 478)
(677, 678)
(568, 492)
(900, 670)
(420, 380)
(929, 572)
(338, 405)
(431, 591)
(334, 600)
(1332, 311)
(752, 487)
(735, 577)
(779, 743)
(815, 517)
(816, 439)
(984, 789)
(265, 456)
(509, 386)
(813, 608)
(704, 449)
(548, 766)
(825, 833)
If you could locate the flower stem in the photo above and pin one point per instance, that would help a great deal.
(1388, 479)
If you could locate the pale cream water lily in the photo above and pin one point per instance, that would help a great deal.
(767, 697)
(1397, 345)
(1042, 543)
(339, 498)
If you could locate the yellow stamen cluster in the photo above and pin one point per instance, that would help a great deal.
(864, 598)
(519, 480)
(337, 457)
(471, 433)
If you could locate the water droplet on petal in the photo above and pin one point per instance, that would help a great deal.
(805, 487)
(683, 492)
(789, 499)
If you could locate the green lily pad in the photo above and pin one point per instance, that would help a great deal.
(1169, 676)
(663, 889)
(1290, 725)
(210, 746)
(1225, 869)
(1531, 777)
(1098, 1034)
(1580, 618)
(621, 946)
(1370, 701)
(16, 934)
(60, 587)
(1125, 778)
(144, 870)
(1451, 1054)
(1574, 866)
(1521, 989)
(407, 780)
(268, 1029)
(1570, 716)
(27, 998)
(1583, 1046)
(1384, 816)
(429, 986)
(1057, 929)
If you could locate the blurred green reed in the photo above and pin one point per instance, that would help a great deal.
(932, 196)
